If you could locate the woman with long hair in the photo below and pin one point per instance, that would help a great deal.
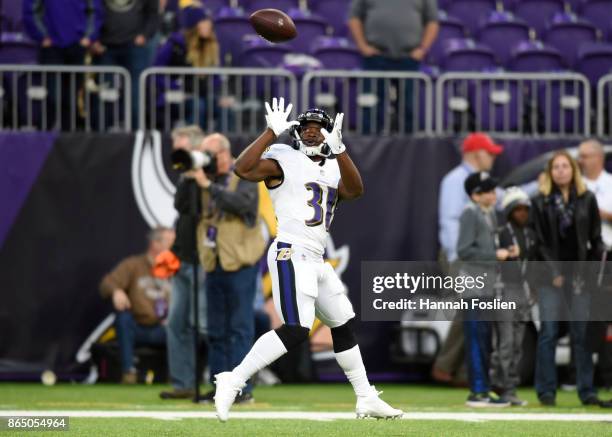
(194, 46)
(568, 233)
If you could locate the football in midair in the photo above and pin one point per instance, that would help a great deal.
(273, 25)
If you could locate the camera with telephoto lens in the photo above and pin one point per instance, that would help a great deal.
(185, 160)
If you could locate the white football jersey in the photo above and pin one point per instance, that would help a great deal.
(305, 201)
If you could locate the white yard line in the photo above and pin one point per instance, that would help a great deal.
(317, 416)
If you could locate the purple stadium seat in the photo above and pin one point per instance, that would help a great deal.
(467, 55)
(502, 31)
(309, 27)
(599, 12)
(214, 6)
(230, 30)
(336, 53)
(228, 11)
(567, 33)
(566, 108)
(450, 27)
(538, 13)
(536, 56)
(471, 12)
(335, 11)
(259, 53)
(594, 60)
(16, 48)
(496, 106)
(12, 14)
(283, 5)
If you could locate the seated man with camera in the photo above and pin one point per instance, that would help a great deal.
(230, 243)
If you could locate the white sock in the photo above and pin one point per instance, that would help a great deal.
(267, 349)
(352, 364)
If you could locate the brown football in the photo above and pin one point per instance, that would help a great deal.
(273, 25)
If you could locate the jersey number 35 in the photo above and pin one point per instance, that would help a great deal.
(322, 210)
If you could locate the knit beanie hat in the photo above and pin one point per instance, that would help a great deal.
(514, 197)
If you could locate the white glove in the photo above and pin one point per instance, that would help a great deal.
(334, 139)
(276, 117)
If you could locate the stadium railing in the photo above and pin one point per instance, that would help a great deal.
(75, 98)
(514, 104)
(373, 102)
(98, 99)
(604, 106)
(229, 100)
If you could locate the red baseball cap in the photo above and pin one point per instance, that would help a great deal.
(480, 141)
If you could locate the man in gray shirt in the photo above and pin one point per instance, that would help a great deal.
(393, 35)
(129, 27)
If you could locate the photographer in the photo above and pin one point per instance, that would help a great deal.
(230, 243)
(187, 201)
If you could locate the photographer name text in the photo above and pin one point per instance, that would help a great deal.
(431, 304)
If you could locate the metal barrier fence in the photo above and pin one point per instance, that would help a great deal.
(604, 106)
(75, 98)
(36, 97)
(229, 100)
(374, 102)
(514, 104)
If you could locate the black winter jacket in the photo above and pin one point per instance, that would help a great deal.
(588, 230)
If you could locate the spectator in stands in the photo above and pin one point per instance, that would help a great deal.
(230, 243)
(509, 328)
(140, 300)
(195, 46)
(63, 28)
(478, 154)
(591, 157)
(127, 29)
(567, 226)
(180, 327)
(476, 244)
(393, 36)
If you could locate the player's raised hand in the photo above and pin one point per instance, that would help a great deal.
(277, 115)
(334, 138)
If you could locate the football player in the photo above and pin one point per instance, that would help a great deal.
(305, 182)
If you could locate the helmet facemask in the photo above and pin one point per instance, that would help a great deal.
(312, 116)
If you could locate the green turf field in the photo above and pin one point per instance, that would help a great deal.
(293, 398)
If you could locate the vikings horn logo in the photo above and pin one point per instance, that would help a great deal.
(153, 190)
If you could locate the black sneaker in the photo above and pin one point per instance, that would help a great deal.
(207, 398)
(514, 400)
(548, 401)
(485, 400)
(594, 400)
(244, 399)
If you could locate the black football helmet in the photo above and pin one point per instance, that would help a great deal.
(312, 115)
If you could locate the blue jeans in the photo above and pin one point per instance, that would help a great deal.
(478, 349)
(181, 336)
(230, 317)
(382, 63)
(131, 334)
(552, 302)
(135, 60)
